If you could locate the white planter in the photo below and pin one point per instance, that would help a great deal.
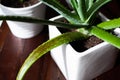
(82, 65)
(21, 29)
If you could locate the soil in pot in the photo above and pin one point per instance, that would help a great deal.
(17, 3)
(82, 45)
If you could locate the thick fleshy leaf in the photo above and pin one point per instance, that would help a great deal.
(92, 10)
(115, 23)
(47, 46)
(74, 4)
(88, 3)
(54, 4)
(108, 37)
(40, 21)
(81, 9)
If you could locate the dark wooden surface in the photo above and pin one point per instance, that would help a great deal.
(13, 52)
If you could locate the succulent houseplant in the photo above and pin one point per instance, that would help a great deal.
(81, 18)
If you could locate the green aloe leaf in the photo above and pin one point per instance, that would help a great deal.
(115, 23)
(45, 47)
(108, 37)
(88, 3)
(54, 4)
(40, 21)
(81, 9)
(74, 4)
(95, 8)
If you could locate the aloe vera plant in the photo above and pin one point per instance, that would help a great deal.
(82, 16)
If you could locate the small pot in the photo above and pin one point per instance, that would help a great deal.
(21, 29)
(84, 65)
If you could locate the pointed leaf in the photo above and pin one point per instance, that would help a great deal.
(95, 7)
(110, 38)
(54, 4)
(40, 21)
(74, 4)
(47, 46)
(81, 9)
(115, 23)
(88, 3)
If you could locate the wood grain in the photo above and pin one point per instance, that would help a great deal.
(13, 52)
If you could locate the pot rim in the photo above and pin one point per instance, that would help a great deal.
(86, 51)
(23, 8)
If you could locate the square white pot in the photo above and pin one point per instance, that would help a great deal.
(82, 65)
(22, 29)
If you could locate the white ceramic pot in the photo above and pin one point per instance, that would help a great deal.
(21, 29)
(82, 65)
